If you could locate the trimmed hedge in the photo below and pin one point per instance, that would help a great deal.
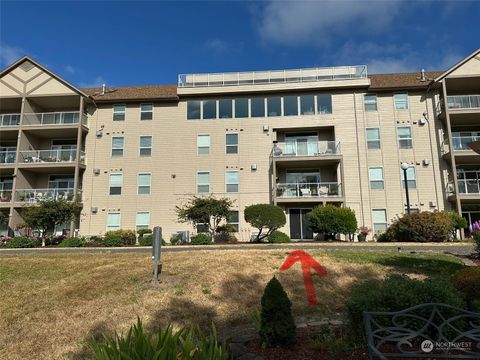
(21, 242)
(278, 237)
(72, 242)
(201, 239)
(147, 240)
(119, 238)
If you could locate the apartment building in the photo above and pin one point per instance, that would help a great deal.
(294, 138)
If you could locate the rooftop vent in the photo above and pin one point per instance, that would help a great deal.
(26, 66)
(422, 75)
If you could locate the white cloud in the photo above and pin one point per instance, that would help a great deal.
(70, 69)
(97, 82)
(217, 45)
(9, 54)
(316, 22)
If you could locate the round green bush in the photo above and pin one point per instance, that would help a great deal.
(201, 239)
(175, 239)
(278, 237)
(147, 240)
(21, 242)
(468, 282)
(224, 234)
(127, 237)
(112, 241)
(72, 242)
(330, 219)
(142, 232)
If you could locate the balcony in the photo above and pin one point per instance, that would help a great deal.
(308, 191)
(51, 156)
(309, 149)
(5, 196)
(469, 186)
(460, 143)
(33, 196)
(463, 102)
(9, 120)
(52, 118)
(7, 157)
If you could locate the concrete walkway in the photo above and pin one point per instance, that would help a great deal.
(451, 248)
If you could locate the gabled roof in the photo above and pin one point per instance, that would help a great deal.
(37, 64)
(401, 81)
(131, 93)
(457, 65)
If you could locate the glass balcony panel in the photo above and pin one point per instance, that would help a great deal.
(7, 157)
(5, 196)
(49, 156)
(7, 120)
(461, 142)
(293, 190)
(52, 118)
(458, 102)
(33, 196)
(301, 147)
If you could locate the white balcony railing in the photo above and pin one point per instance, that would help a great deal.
(273, 76)
(51, 118)
(51, 156)
(9, 120)
(5, 196)
(36, 195)
(460, 102)
(7, 157)
(469, 186)
(308, 190)
(461, 142)
(311, 148)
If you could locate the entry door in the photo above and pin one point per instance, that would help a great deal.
(299, 225)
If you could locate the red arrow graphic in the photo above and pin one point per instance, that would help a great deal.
(308, 263)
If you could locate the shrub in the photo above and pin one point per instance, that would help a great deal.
(72, 242)
(147, 240)
(112, 241)
(425, 226)
(331, 219)
(165, 344)
(175, 239)
(122, 237)
(224, 234)
(265, 217)
(476, 238)
(468, 282)
(55, 240)
(278, 237)
(142, 232)
(277, 328)
(384, 238)
(21, 242)
(458, 222)
(201, 239)
(397, 292)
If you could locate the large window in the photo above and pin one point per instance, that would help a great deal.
(119, 112)
(143, 220)
(257, 107)
(225, 108)
(375, 175)
(411, 178)
(209, 109)
(144, 183)
(379, 220)
(307, 104)
(231, 181)
(234, 219)
(274, 106)
(370, 102)
(203, 182)
(405, 137)
(324, 104)
(193, 109)
(231, 143)
(401, 101)
(290, 105)
(373, 138)
(203, 144)
(118, 143)
(146, 111)
(116, 182)
(241, 108)
(145, 146)
(113, 221)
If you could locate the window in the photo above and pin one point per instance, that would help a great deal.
(119, 112)
(290, 105)
(274, 106)
(411, 178)
(144, 183)
(307, 104)
(241, 108)
(379, 220)
(373, 138)
(116, 181)
(203, 144)
(225, 108)
(203, 182)
(370, 102)
(375, 175)
(113, 221)
(117, 146)
(231, 143)
(145, 146)
(231, 181)
(324, 104)
(233, 219)
(209, 109)
(202, 228)
(258, 107)
(146, 111)
(143, 220)
(193, 110)
(404, 137)
(401, 101)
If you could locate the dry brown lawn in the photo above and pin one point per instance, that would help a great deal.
(50, 305)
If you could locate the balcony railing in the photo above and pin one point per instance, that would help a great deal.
(460, 102)
(469, 187)
(36, 195)
(308, 190)
(461, 142)
(5, 196)
(7, 157)
(314, 148)
(51, 118)
(9, 120)
(51, 156)
(273, 76)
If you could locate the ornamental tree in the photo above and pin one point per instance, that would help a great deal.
(331, 219)
(264, 217)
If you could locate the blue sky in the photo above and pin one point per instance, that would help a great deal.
(140, 43)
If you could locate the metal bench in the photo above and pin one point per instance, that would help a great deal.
(433, 331)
